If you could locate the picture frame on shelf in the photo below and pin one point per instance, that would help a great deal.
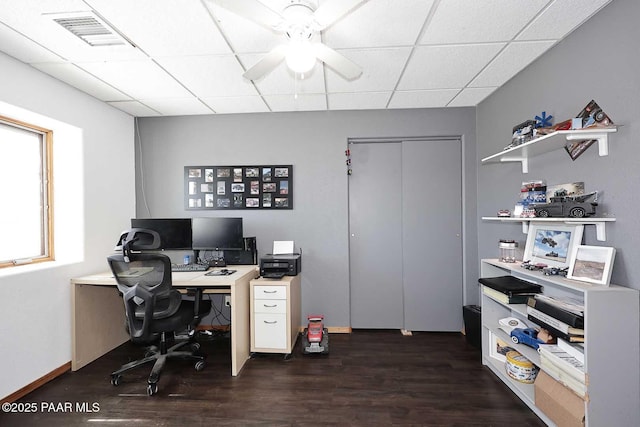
(592, 264)
(498, 347)
(552, 244)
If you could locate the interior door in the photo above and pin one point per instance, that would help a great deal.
(375, 227)
(405, 210)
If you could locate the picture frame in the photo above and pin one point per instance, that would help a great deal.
(592, 264)
(498, 348)
(228, 187)
(552, 244)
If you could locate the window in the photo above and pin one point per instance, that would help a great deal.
(26, 192)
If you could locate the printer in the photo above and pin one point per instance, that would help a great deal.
(278, 266)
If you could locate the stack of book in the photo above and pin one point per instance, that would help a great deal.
(561, 318)
(509, 289)
(565, 363)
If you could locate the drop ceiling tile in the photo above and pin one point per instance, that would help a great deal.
(177, 106)
(446, 67)
(134, 108)
(560, 18)
(515, 57)
(208, 76)
(138, 79)
(82, 80)
(296, 103)
(372, 24)
(471, 97)
(244, 35)
(464, 21)
(23, 49)
(422, 98)
(359, 101)
(236, 104)
(284, 81)
(164, 27)
(381, 69)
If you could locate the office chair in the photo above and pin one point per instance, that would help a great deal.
(154, 311)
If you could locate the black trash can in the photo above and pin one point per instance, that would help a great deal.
(471, 315)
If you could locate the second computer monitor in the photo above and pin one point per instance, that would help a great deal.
(214, 233)
(175, 233)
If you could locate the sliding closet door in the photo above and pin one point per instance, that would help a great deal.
(375, 229)
(432, 235)
(405, 252)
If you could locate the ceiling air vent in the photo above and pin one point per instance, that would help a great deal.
(91, 28)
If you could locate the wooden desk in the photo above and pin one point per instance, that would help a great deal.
(97, 318)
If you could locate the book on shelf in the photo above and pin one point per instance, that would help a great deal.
(555, 332)
(569, 304)
(554, 322)
(579, 388)
(576, 350)
(563, 360)
(504, 298)
(569, 318)
(511, 285)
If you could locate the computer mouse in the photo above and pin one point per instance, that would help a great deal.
(224, 270)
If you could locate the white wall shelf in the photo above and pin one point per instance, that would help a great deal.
(601, 234)
(551, 142)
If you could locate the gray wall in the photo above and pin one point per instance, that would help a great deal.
(314, 143)
(598, 61)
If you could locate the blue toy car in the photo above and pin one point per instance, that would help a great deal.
(526, 336)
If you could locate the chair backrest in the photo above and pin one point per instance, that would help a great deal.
(144, 279)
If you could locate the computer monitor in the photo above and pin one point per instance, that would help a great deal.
(216, 233)
(175, 233)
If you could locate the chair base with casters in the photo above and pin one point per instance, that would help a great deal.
(158, 355)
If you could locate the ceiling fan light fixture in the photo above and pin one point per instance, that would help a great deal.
(300, 57)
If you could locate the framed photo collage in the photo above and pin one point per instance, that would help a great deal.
(238, 187)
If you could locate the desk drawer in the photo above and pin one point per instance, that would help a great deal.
(270, 306)
(270, 331)
(269, 292)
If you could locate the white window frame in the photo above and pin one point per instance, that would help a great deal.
(46, 196)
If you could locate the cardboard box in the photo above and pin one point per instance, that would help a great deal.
(560, 404)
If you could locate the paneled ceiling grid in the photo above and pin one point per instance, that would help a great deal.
(189, 57)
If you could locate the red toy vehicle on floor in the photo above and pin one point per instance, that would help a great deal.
(315, 337)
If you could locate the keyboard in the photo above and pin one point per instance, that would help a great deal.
(188, 267)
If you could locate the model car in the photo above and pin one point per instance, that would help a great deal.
(555, 271)
(561, 205)
(315, 337)
(537, 266)
(526, 336)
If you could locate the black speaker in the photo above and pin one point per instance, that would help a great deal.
(247, 256)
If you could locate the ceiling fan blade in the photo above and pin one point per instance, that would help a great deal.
(267, 64)
(338, 62)
(253, 10)
(332, 10)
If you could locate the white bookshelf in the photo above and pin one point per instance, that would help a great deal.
(612, 343)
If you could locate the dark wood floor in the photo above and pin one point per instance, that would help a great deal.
(369, 378)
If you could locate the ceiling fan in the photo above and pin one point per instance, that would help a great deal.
(299, 21)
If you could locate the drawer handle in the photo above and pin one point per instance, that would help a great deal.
(269, 292)
(269, 306)
(270, 323)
